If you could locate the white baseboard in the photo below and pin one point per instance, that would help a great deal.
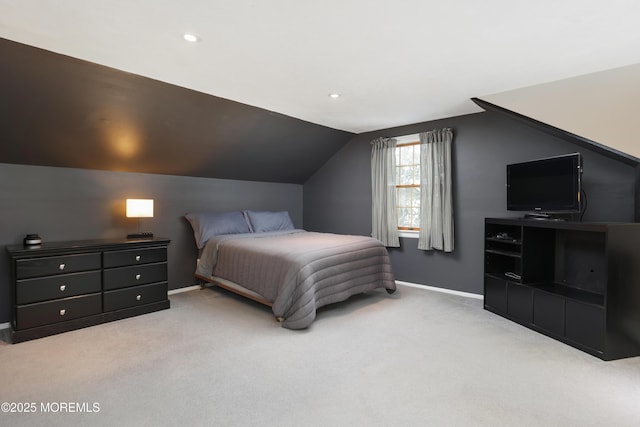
(398, 282)
(185, 289)
(5, 326)
(443, 290)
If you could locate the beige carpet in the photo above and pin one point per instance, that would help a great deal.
(412, 359)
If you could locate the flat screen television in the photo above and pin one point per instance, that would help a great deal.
(546, 186)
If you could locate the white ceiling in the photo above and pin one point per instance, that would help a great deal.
(394, 62)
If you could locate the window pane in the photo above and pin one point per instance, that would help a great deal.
(404, 197)
(406, 155)
(415, 218)
(405, 175)
(415, 197)
(404, 217)
(415, 174)
(408, 218)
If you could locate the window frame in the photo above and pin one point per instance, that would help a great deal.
(409, 140)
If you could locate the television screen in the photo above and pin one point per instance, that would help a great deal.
(550, 185)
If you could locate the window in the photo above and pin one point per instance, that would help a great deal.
(408, 186)
(396, 208)
(408, 183)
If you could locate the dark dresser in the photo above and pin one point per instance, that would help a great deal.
(61, 286)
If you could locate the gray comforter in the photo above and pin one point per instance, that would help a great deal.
(299, 271)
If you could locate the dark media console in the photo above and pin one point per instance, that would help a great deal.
(576, 282)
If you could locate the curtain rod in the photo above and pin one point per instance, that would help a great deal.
(417, 133)
(414, 133)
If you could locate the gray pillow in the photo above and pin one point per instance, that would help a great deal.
(209, 224)
(269, 221)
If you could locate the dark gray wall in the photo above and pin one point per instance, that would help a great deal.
(76, 204)
(337, 198)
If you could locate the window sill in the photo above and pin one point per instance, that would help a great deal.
(408, 233)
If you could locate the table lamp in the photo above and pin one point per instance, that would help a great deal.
(140, 208)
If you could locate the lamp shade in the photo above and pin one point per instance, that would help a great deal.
(139, 208)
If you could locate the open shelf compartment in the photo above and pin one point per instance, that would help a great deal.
(570, 292)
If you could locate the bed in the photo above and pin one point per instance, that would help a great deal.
(260, 255)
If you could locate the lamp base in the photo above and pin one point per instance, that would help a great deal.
(143, 235)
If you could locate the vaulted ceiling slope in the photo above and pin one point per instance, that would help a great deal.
(66, 112)
(600, 108)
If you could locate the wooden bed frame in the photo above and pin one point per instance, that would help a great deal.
(236, 289)
(233, 287)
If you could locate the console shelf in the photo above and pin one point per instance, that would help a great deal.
(508, 242)
(572, 293)
(505, 253)
(575, 282)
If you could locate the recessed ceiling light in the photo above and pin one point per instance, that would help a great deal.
(190, 37)
(334, 95)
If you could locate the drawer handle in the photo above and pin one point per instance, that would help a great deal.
(138, 276)
(61, 266)
(63, 287)
(138, 297)
(138, 257)
(63, 312)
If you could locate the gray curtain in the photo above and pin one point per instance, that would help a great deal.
(436, 206)
(383, 192)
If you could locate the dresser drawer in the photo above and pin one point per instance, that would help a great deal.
(123, 277)
(46, 266)
(45, 313)
(59, 286)
(134, 296)
(134, 257)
